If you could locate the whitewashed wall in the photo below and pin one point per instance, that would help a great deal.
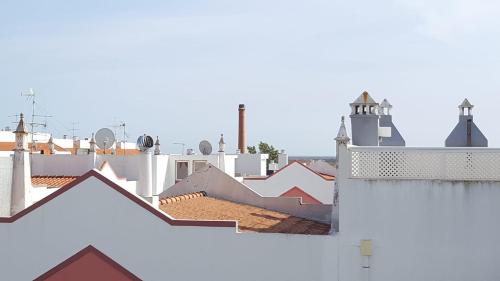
(420, 229)
(7, 136)
(124, 166)
(61, 165)
(219, 185)
(294, 175)
(152, 249)
(6, 166)
(251, 164)
(38, 193)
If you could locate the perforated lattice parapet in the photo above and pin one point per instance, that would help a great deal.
(440, 164)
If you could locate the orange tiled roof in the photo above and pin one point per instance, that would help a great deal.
(119, 151)
(52, 181)
(327, 177)
(9, 146)
(250, 218)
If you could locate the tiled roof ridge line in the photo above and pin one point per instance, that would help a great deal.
(187, 196)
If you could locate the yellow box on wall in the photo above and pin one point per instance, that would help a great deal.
(365, 248)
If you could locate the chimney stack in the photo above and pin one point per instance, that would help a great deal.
(241, 129)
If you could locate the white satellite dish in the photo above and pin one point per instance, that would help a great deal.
(105, 139)
(205, 147)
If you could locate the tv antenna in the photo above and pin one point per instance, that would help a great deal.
(183, 146)
(104, 139)
(73, 129)
(121, 126)
(30, 95)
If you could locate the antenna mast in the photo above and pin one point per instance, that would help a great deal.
(124, 141)
(31, 95)
(183, 146)
(74, 129)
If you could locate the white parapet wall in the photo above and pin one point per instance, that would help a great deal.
(294, 175)
(456, 164)
(61, 165)
(251, 164)
(429, 214)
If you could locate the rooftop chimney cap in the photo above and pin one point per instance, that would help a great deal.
(20, 127)
(365, 99)
(466, 104)
(385, 104)
(342, 136)
(242, 106)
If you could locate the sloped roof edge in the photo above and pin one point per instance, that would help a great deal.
(116, 187)
(288, 165)
(81, 253)
(303, 194)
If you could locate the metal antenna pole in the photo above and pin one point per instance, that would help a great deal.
(124, 138)
(74, 129)
(31, 94)
(183, 146)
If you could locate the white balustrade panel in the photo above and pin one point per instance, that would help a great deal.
(473, 164)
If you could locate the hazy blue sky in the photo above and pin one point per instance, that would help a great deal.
(179, 69)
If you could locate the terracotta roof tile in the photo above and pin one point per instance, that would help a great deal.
(52, 181)
(327, 177)
(250, 218)
(9, 146)
(298, 192)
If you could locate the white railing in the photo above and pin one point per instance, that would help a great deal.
(469, 164)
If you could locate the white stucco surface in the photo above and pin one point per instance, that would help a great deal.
(61, 165)
(420, 229)
(152, 249)
(293, 175)
(251, 164)
(6, 166)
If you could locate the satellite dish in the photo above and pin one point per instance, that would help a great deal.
(145, 142)
(205, 147)
(105, 139)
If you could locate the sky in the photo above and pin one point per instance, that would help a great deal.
(179, 69)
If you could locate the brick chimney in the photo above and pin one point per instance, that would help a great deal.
(241, 129)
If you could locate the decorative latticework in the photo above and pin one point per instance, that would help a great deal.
(416, 163)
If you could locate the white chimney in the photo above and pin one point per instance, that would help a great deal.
(145, 181)
(21, 173)
(282, 159)
(222, 154)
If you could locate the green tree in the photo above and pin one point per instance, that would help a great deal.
(265, 148)
(252, 149)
